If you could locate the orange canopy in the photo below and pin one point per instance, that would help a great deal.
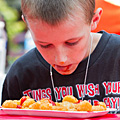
(110, 19)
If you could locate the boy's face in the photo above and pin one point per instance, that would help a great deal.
(63, 46)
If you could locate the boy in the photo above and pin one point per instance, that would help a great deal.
(68, 58)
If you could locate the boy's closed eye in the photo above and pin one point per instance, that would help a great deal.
(67, 43)
(71, 42)
(46, 46)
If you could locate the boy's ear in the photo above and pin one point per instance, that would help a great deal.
(96, 18)
(23, 18)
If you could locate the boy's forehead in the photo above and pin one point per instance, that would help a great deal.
(66, 30)
(36, 24)
(72, 20)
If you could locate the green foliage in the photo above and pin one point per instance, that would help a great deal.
(9, 13)
(14, 28)
(14, 25)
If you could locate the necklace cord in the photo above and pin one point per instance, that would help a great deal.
(52, 82)
(86, 71)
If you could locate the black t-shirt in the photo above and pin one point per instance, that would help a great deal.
(30, 75)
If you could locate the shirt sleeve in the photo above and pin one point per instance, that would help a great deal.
(11, 87)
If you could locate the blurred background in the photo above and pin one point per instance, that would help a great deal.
(15, 39)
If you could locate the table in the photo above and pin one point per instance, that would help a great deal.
(4, 116)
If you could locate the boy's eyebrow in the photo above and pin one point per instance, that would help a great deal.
(65, 40)
(74, 38)
(42, 42)
(77, 38)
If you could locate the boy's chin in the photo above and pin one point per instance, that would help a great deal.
(66, 72)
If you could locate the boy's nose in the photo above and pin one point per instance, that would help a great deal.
(60, 57)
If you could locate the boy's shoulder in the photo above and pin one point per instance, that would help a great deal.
(110, 37)
(29, 60)
(28, 57)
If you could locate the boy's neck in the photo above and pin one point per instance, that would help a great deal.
(96, 39)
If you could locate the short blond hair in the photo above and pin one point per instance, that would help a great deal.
(55, 11)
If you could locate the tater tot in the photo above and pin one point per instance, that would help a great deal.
(28, 102)
(35, 105)
(44, 100)
(70, 98)
(67, 105)
(58, 103)
(64, 106)
(103, 105)
(84, 106)
(9, 104)
(98, 108)
(46, 106)
(17, 102)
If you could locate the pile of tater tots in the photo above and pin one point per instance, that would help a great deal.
(69, 103)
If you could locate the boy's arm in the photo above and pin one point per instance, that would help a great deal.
(4, 93)
(11, 89)
(11, 86)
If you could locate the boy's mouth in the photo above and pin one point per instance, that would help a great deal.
(62, 68)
